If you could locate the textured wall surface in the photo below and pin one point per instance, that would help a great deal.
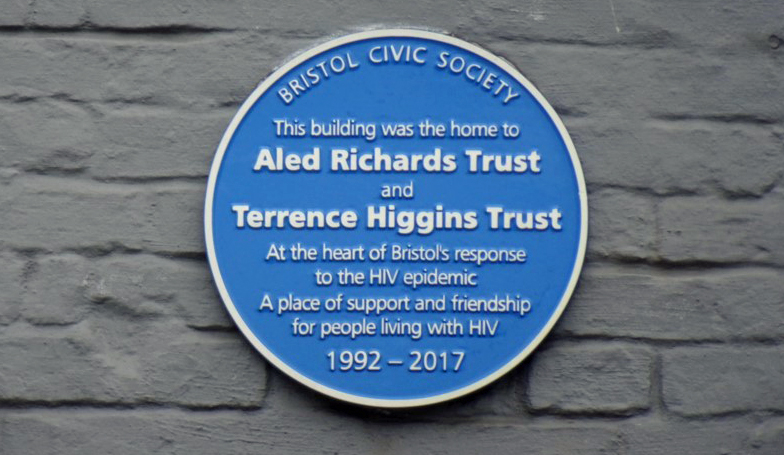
(113, 339)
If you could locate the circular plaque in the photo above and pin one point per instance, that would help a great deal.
(396, 218)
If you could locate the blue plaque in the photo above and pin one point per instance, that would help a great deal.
(396, 218)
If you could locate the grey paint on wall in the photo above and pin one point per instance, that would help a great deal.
(113, 339)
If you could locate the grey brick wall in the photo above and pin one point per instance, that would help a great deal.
(113, 339)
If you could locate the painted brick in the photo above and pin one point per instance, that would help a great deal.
(71, 214)
(636, 22)
(14, 12)
(207, 72)
(234, 433)
(181, 289)
(12, 269)
(171, 214)
(680, 157)
(58, 13)
(503, 400)
(47, 136)
(661, 24)
(68, 214)
(620, 225)
(317, 18)
(56, 291)
(722, 379)
(601, 23)
(59, 137)
(591, 378)
(503, 439)
(659, 83)
(130, 143)
(714, 23)
(66, 289)
(732, 436)
(768, 437)
(719, 230)
(177, 370)
(203, 71)
(117, 361)
(675, 305)
(30, 62)
(54, 367)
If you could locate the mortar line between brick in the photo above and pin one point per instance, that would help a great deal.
(609, 45)
(666, 343)
(698, 267)
(119, 106)
(20, 404)
(726, 119)
(87, 30)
